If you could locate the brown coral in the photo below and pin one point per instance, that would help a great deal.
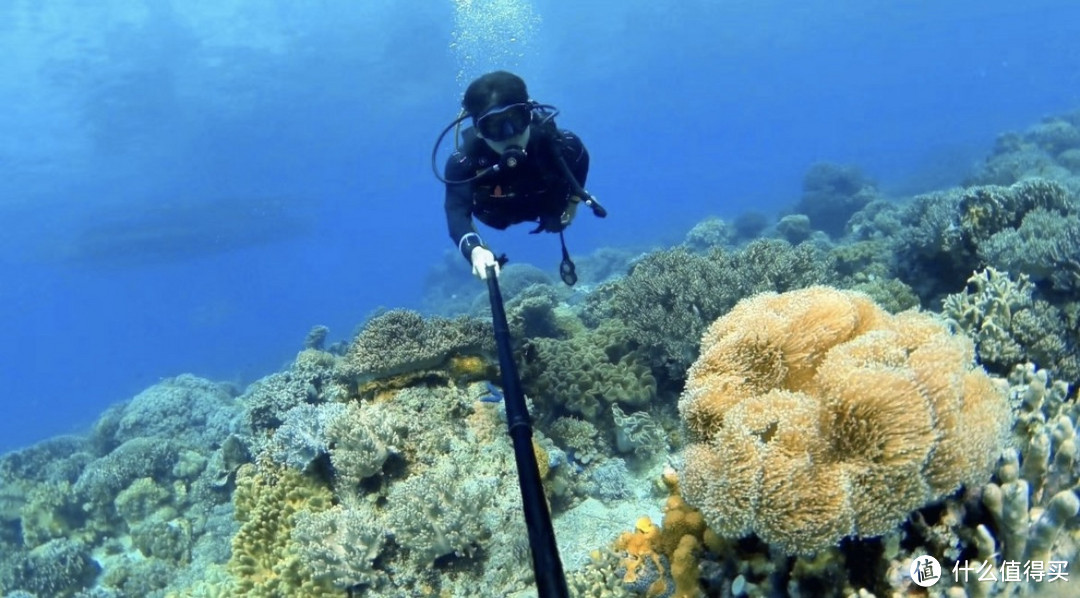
(818, 415)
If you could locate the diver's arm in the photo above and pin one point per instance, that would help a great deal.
(576, 156)
(459, 205)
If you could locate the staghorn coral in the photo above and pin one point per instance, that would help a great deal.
(1010, 326)
(814, 414)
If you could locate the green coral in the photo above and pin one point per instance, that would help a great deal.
(583, 373)
(670, 296)
(1010, 326)
(1046, 247)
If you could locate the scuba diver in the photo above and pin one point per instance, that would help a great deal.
(512, 165)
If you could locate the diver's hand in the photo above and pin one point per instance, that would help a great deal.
(481, 258)
(571, 210)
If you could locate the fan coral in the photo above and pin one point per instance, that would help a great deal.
(817, 415)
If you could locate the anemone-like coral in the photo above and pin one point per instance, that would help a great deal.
(817, 415)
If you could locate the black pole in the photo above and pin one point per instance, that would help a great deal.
(547, 568)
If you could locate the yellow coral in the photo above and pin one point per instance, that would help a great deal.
(469, 367)
(264, 562)
(816, 415)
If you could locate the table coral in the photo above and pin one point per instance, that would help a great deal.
(401, 341)
(815, 415)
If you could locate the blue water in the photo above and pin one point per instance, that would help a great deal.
(189, 186)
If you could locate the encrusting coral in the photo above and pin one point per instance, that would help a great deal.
(816, 415)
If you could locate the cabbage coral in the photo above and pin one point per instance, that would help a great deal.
(816, 415)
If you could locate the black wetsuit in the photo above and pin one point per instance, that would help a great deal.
(534, 191)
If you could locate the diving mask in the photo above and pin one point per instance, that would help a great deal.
(504, 122)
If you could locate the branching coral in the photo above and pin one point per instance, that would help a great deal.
(1046, 247)
(815, 414)
(188, 408)
(669, 297)
(1010, 326)
(946, 230)
(308, 380)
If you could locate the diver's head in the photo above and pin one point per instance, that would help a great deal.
(498, 103)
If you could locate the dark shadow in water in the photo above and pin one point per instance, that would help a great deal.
(181, 230)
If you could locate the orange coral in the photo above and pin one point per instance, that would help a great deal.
(678, 541)
(816, 414)
(640, 547)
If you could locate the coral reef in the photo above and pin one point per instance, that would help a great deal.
(832, 444)
(1010, 326)
(814, 414)
(587, 373)
(831, 194)
(944, 231)
(401, 342)
(670, 296)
